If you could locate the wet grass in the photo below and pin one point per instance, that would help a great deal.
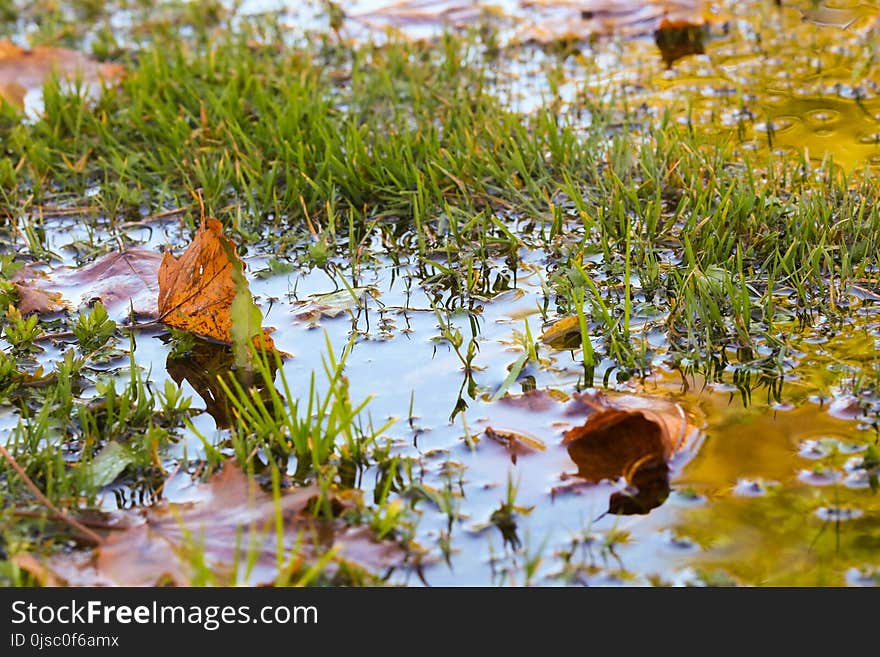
(674, 250)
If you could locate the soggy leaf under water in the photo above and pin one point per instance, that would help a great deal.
(123, 281)
(231, 532)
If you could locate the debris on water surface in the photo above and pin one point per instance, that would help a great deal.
(515, 442)
(838, 514)
(564, 333)
(332, 304)
(746, 487)
(628, 437)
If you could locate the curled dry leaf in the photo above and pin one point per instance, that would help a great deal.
(631, 437)
(197, 290)
(23, 72)
(121, 280)
(608, 436)
(564, 333)
(232, 532)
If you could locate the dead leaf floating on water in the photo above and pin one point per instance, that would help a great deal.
(516, 443)
(23, 71)
(630, 437)
(333, 304)
(120, 280)
(608, 436)
(197, 290)
(233, 533)
(32, 298)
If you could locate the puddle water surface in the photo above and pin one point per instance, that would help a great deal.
(777, 487)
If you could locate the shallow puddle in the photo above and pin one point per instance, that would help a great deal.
(777, 484)
(774, 487)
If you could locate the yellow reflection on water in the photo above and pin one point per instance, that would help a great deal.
(789, 500)
(848, 131)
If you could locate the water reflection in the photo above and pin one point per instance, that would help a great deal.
(847, 130)
(679, 40)
(202, 366)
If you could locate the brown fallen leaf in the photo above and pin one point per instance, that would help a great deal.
(196, 290)
(630, 437)
(536, 401)
(32, 298)
(609, 436)
(23, 71)
(121, 280)
(232, 532)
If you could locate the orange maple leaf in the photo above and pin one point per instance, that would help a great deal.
(196, 290)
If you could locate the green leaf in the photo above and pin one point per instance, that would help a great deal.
(515, 369)
(109, 464)
(247, 319)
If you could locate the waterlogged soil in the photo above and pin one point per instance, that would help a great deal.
(773, 488)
